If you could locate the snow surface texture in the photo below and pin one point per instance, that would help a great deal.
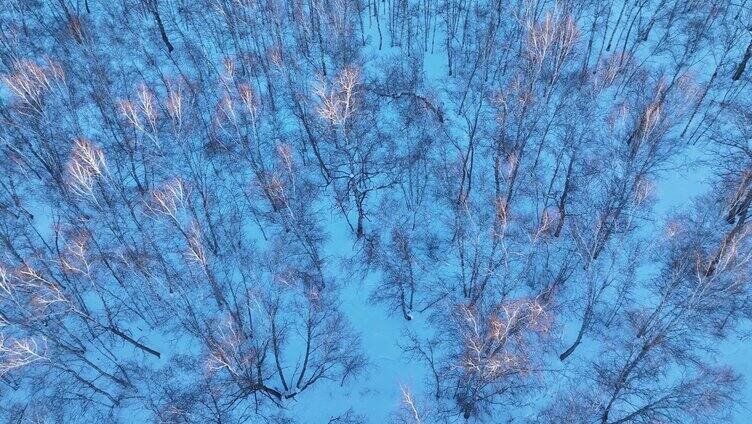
(371, 211)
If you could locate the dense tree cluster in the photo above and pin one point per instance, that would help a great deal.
(175, 176)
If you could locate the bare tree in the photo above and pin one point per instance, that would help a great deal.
(189, 190)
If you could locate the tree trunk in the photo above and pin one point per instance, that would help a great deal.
(743, 63)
